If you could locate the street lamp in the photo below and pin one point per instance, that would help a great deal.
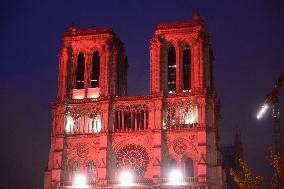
(175, 177)
(126, 178)
(80, 181)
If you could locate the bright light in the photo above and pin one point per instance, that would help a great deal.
(78, 93)
(69, 124)
(126, 178)
(175, 177)
(93, 92)
(80, 181)
(262, 111)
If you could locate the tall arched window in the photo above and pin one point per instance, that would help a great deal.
(95, 77)
(91, 170)
(80, 71)
(186, 68)
(171, 69)
(188, 167)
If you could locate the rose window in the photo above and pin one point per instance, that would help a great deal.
(134, 158)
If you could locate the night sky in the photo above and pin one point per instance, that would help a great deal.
(247, 38)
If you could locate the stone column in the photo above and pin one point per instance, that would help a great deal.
(155, 79)
(158, 114)
(118, 120)
(170, 112)
(201, 65)
(62, 72)
(131, 120)
(178, 67)
(122, 120)
(201, 156)
(88, 68)
(114, 72)
(151, 121)
(102, 122)
(141, 123)
(113, 120)
(102, 159)
(104, 73)
(136, 120)
(177, 109)
(145, 119)
(58, 160)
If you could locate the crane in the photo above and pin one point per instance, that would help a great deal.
(273, 99)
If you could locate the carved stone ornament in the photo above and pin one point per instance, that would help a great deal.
(82, 150)
(133, 157)
(179, 146)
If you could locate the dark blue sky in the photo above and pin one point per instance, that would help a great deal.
(247, 38)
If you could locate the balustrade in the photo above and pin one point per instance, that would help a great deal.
(130, 120)
(180, 116)
(196, 181)
(84, 124)
(136, 117)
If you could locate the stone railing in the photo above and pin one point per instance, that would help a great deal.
(132, 116)
(180, 126)
(142, 182)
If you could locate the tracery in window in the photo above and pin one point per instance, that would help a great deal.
(134, 158)
(94, 123)
(188, 114)
(180, 116)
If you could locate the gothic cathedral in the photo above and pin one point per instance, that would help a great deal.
(167, 139)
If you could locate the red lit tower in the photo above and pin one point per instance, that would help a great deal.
(100, 134)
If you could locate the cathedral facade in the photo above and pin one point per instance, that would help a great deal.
(167, 139)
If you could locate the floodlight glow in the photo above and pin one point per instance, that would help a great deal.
(175, 177)
(262, 111)
(126, 178)
(80, 181)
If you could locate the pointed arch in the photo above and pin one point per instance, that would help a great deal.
(171, 69)
(169, 166)
(95, 76)
(80, 71)
(188, 167)
(186, 67)
(172, 164)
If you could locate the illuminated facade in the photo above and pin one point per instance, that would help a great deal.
(103, 135)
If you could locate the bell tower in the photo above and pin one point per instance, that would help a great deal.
(91, 64)
(181, 63)
(92, 70)
(181, 57)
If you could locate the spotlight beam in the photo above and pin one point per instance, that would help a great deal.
(262, 111)
(272, 99)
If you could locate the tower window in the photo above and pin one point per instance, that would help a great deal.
(171, 70)
(186, 68)
(80, 71)
(95, 77)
